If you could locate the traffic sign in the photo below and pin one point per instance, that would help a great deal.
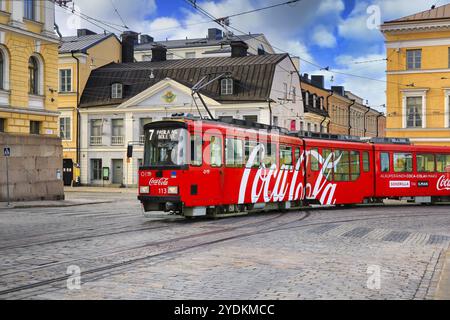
(7, 151)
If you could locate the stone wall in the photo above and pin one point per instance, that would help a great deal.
(35, 168)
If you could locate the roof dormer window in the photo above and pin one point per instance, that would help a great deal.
(117, 91)
(226, 86)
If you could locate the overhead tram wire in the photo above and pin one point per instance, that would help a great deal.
(328, 69)
(118, 14)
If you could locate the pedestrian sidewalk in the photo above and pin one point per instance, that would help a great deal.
(101, 189)
(443, 289)
(49, 204)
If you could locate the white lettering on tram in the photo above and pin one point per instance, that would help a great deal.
(323, 189)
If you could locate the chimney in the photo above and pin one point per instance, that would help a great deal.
(159, 53)
(145, 38)
(84, 32)
(214, 34)
(129, 39)
(318, 81)
(339, 90)
(305, 77)
(238, 49)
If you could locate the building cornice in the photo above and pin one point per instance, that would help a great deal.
(30, 34)
(29, 111)
(420, 26)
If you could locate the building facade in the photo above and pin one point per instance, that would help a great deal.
(113, 113)
(78, 56)
(29, 101)
(28, 68)
(315, 97)
(215, 44)
(418, 76)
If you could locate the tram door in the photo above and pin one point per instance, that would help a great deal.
(213, 172)
(67, 171)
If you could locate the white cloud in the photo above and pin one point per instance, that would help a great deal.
(323, 37)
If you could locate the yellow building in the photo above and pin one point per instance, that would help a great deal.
(418, 76)
(28, 67)
(78, 56)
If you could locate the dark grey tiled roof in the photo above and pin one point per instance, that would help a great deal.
(253, 76)
(199, 42)
(83, 43)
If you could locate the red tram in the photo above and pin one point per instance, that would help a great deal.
(203, 167)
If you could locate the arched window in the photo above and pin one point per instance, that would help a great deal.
(2, 68)
(33, 75)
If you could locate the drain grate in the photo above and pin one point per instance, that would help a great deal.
(397, 236)
(358, 232)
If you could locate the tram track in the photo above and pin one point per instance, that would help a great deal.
(178, 244)
(173, 248)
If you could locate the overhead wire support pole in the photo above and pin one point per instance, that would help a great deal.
(200, 85)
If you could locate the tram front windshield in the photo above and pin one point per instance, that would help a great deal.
(165, 147)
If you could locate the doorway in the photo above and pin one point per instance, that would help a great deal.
(117, 171)
(67, 171)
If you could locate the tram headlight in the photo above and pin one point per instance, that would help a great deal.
(172, 190)
(145, 189)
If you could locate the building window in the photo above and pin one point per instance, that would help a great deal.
(293, 125)
(117, 91)
(190, 55)
(226, 86)
(285, 90)
(2, 68)
(2, 125)
(29, 9)
(294, 95)
(35, 127)
(413, 112)
(414, 59)
(96, 131)
(251, 118)
(117, 137)
(275, 121)
(65, 128)
(65, 80)
(96, 169)
(33, 75)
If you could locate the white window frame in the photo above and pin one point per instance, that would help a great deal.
(414, 59)
(65, 129)
(115, 92)
(66, 82)
(414, 94)
(447, 108)
(226, 86)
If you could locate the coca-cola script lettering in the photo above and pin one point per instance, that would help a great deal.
(158, 182)
(443, 184)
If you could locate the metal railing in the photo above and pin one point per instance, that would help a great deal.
(117, 140)
(96, 141)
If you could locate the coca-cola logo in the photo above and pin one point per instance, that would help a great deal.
(443, 184)
(158, 182)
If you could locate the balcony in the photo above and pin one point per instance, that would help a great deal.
(96, 141)
(117, 140)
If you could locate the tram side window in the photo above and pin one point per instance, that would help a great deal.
(366, 162)
(403, 162)
(196, 150)
(341, 165)
(249, 146)
(355, 166)
(233, 152)
(216, 151)
(443, 162)
(297, 155)
(425, 163)
(328, 162)
(384, 159)
(285, 156)
(314, 159)
(270, 156)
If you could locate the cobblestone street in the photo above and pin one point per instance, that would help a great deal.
(315, 254)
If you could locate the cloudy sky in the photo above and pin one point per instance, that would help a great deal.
(339, 34)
